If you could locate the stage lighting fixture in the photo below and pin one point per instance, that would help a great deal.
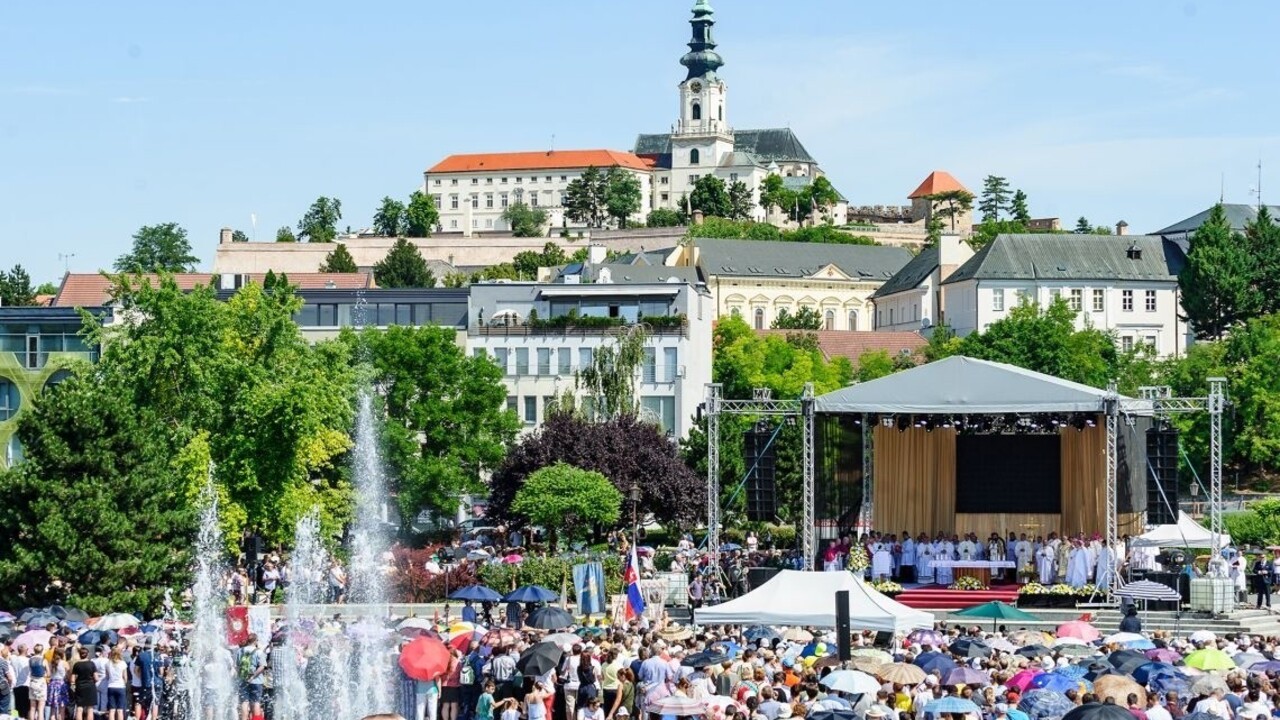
(1078, 423)
(886, 420)
(929, 424)
(902, 421)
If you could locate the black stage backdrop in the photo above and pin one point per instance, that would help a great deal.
(1008, 474)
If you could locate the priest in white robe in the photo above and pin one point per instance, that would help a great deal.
(1078, 566)
(1046, 564)
(1105, 568)
(945, 550)
(907, 570)
(881, 561)
(1023, 554)
(1062, 556)
(967, 549)
(924, 561)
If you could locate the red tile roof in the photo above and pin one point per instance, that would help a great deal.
(852, 344)
(94, 289)
(937, 182)
(538, 160)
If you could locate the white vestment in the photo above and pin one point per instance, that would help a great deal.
(1078, 567)
(924, 563)
(1023, 553)
(881, 561)
(1045, 565)
(967, 550)
(944, 575)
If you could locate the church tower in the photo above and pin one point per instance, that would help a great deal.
(702, 135)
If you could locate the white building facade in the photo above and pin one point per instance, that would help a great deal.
(911, 301)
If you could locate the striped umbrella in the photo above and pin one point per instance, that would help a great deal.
(1043, 704)
(950, 704)
(927, 637)
(1147, 590)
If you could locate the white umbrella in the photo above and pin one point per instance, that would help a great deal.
(416, 622)
(677, 705)
(1121, 638)
(851, 681)
(798, 635)
(116, 621)
(1147, 590)
(1068, 641)
(1202, 636)
(563, 640)
(1207, 683)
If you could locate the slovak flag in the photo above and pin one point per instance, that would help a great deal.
(631, 576)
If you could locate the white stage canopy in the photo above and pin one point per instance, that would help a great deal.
(798, 598)
(961, 385)
(1185, 533)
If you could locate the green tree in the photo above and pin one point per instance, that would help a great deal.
(621, 195)
(819, 195)
(421, 215)
(774, 194)
(47, 288)
(339, 260)
(995, 197)
(158, 249)
(710, 196)
(239, 236)
(1047, 341)
(740, 202)
(320, 224)
(1083, 227)
(951, 204)
(15, 287)
(1018, 208)
(943, 343)
(389, 220)
(826, 234)
(611, 376)
(984, 233)
(663, 217)
(525, 221)
(933, 228)
(874, 364)
(1217, 284)
(1252, 355)
(586, 198)
(527, 262)
(447, 424)
(1262, 242)
(455, 280)
(806, 318)
(403, 267)
(717, 227)
(285, 234)
(568, 502)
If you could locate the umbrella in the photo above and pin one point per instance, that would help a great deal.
(6, 633)
(424, 658)
(935, 662)
(7, 617)
(851, 681)
(1144, 673)
(1164, 682)
(1265, 667)
(675, 633)
(1209, 659)
(1075, 672)
(1044, 704)
(97, 637)
(530, 594)
(757, 633)
(719, 702)
(1246, 659)
(677, 705)
(706, 658)
(475, 555)
(965, 676)
(476, 593)
(1202, 636)
(32, 638)
(116, 621)
(1002, 645)
(901, 674)
(1054, 682)
(995, 611)
(826, 714)
(868, 665)
(75, 614)
(539, 659)
(1147, 590)
(1118, 688)
(1121, 638)
(950, 704)
(41, 619)
(1164, 655)
(462, 641)
(799, 635)
(1133, 658)
(1030, 637)
(500, 636)
(1207, 683)
(730, 547)
(512, 559)
(416, 623)
(927, 637)
(833, 702)
(549, 618)
(644, 550)
(1064, 641)
(1033, 651)
(563, 640)
(1100, 711)
(1080, 630)
(1022, 679)
(1076, 650)
(883, 657)
(966, 648)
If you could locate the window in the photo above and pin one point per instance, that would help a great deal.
(13, 453)
(997, 300)
(649, 371)
(10, 400)
(563, 197)
(853, 319)
(693, 179)
(436, 181)
(670, 364)
(1149, 341)
(1099, 299)
(829, 321)
(547, 178)
(665, 196)
(522, 361)
(488, 223)
(533, 199)
(759, 318)
(584, 358)
(660, 409)
(503, 199)
(694, 156)
(488, 181)
(1150, 300)
(530, 409)
(1126, 343)
(404, 315)
(475, 202)
(479, 352)
(544, 361)
(697, 112)
(733, 177)
(664, 180)
(438, 200)
(475, 181)
(488, 200)
(1126, 300)
(519, 180)
(890, 316)
(1076, 299)
(475, 223)
(453, 202)
(453, 181)
(564, 178)
(1054, 294)
(533, 179)
(511, 403)
(564, 361)
(503, 181)
(453, 224)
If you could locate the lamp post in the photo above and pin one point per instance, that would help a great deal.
(635, 516)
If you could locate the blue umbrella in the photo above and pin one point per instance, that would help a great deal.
(1165, 683)
(756, 633)
(1143, 673)
(935, 662)
(950, 704)
(1139, 644)
(1075, 672)
(42, 618)
(530, 594)
(833, 715)
(730, 547)
(729, 647)
(1054, 682)
(476, 593)
(1041, 704)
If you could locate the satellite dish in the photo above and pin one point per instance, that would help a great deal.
(925, 323)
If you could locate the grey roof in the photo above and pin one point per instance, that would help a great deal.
(769, 258)
(655, 258)
(1238, 215)
(1063, 256)
(797, 183)
(766, 145)
(620, 273)
(739, 158)
(911, 275)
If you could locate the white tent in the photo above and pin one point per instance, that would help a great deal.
(798, 598)
(1185, 533)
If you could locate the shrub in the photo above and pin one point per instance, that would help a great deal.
(412, 583)
(551, 573)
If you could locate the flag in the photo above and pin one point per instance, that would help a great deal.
(588, 586)
(237, 625)
(631, 577)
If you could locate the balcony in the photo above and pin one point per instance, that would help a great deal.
(39, 360)
(570, 326)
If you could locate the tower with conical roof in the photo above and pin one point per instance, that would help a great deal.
(702, 137)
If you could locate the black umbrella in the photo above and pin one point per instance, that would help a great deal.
(756, 633)
(1033, 651)
(549, 618)
(1121, 658)
(57, 611)
(1099, 711)
(969, 648)
(7, 633)
(539, 659)
(74, 614)
(706, 658)
(833, 715)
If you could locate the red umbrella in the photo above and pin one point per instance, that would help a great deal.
(462, 641)
(424, 658)
(500, 636)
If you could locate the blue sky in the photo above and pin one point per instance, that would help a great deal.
(116, 115)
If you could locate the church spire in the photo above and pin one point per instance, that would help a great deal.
(702, 58)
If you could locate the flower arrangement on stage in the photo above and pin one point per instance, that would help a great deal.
(888, 587)
(858, 560)
(1060, 589)
(967, 583)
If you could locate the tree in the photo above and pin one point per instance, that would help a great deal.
(285, 234)
(94, 465)
(527, 262)
(1083, 227)
(1262, 242)
(403, 267)
(629, 452)
(239, 236)
(984, 233)
(621, 195)
(951, 204)
(611, 376)
(806, 318)
(663, 217)
(717, 227)
(1018, 208)
(158, 249)
(389, 220)
(447, 423)
(455, 280)
(774, 194)
(567, 501)
(47, 288)
(710, 196)
(995, 197)
(1218, 282)
(320, 224)
(819, 194)
(826, 234)
(933, 227)
(15, 287)
(586, 198)
(339, 260)
(1047, 341)
(525, 221)
(421, 215)
(740, 202)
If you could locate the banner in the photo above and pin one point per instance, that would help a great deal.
(588, 586)
(260, 623)
(237, 625)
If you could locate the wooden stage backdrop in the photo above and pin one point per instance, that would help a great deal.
(915, 487)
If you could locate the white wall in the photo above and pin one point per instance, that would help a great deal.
(745, 295)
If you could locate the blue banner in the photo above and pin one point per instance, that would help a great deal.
(588, 586)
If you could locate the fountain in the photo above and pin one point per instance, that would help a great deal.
(208, 677)
(307, 588)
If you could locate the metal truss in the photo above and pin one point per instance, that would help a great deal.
(867, 514)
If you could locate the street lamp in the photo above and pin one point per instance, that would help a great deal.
(635, 516)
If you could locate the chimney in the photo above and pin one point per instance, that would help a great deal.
(596, 254)
(1122, 228)
(697, 217)
(224, 236)
(952, 253)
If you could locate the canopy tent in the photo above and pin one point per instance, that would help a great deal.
(1184, 533)
(798, 598)
(960, 385)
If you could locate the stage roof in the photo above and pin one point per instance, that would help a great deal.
(963, 386)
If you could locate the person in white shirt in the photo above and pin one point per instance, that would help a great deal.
(907, 570)
(1156, 711)
(1215, 704)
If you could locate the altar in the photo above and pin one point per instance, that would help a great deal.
(980, 569)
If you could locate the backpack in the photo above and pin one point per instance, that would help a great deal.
(245, 667)
(467, 674)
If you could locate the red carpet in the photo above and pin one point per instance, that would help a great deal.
(932, 597)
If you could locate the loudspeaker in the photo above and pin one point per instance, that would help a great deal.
(758, 576)
(760, 458)
(252, 550)
(1162, 476)
(843, 631)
